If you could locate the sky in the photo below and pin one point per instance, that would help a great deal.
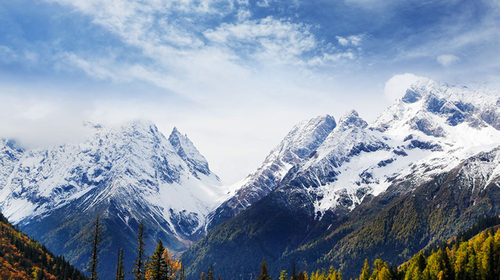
(234, 75)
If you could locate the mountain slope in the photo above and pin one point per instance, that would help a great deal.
(401, 166)
(23, 258)
(126, 174)
(295, 148)
(393, 231)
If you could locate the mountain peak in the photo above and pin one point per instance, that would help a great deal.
(141, 124)
(352, 119)
(188, 152)
(304, 138)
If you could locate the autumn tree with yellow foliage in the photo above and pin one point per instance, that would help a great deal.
(162, 265)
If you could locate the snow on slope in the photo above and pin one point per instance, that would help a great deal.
(133, 164)
(295, 148)
(430, 130)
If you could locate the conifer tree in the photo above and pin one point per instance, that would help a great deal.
(472, 266)
(339, 275)
(366, 272)
(210, 275)
(264, 271)
(487, 262)
(283, 275)
(139, 263)
(157, 267)
(461, 259)
(181, 276)
(120, 269)
(96, 239)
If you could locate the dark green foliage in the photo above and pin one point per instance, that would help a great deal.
(157, 267)
(139, 262)
(120, 269)
(478, 227)
(210, 275)
(393, 227)
(94, 260)
(264, 271)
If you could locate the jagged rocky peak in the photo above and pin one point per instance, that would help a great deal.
(433, 108)
(411, 96)
(139, 126)
(305, 137)
(188, 152)
(352, 119)
(298, 145)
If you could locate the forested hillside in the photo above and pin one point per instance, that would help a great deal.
(461, 259)
(24, 258)
(468, 256)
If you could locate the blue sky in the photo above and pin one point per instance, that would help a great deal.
(234, 75)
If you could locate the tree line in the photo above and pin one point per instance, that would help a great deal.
(159, 266)
(475, 259)
(466, 257)
(21, 257)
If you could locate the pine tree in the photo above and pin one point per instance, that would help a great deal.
(283, 275)
(181, 276)
(366, 272)
(157, 267)
(487, 262)
(94, 261)
(210, 275)
(264, 271)
(120, 269)
(139, 263)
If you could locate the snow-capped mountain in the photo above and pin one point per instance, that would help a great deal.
(429, 130)
(430, 158)
(127, 174)
(295, 148)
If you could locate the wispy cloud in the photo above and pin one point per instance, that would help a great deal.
(447, 59)
(186, 43)
(266, 39)
(233, 63)
(353, 40)
(8, 55)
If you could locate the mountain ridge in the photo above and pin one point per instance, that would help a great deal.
(126, 174)
(363, 169)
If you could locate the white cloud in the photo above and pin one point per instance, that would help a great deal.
(447, 60)
(263, 3)
(267, 39)
(244, 14)
(343, 41)
(397, 85)
(36, 120)
(235, 75)
(9, 55)
(356, 39)
(353, 40)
